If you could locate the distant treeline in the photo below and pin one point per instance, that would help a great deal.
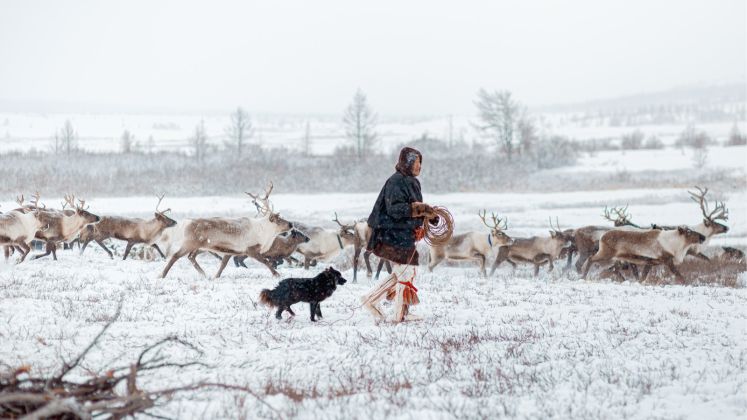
(455, 168)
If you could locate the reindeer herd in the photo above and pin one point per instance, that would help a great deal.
(271, 240)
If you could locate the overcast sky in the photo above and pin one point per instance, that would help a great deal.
(410, 57)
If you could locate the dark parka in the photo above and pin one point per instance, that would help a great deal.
(391, 221)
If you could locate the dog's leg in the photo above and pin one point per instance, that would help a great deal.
(290, 311)
(312, 310)
(279, 312)
(319, 310)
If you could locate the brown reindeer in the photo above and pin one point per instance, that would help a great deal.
(226, 236)
(282, 247)
(535, 250)
(128, 229)
(18, 228)
(63, 225)
(473, 245)
(586, 239)
(646, 247)
(710, 226)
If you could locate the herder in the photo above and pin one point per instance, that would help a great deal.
(397, 223)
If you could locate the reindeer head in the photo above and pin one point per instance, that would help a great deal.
(298, 237)
(691, 236)
(81, 210)
(166, 221)
(347, 232)
(265, 211)
(497, 227)
(720, 212)
(565, 238)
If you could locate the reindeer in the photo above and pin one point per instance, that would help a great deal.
(282, 247)
(325, 244)
(128, 229)
(226, 236)
(586, 239)
(364, 232)
(473, 245)
(647, 247)
(63, 225)
(18, 227)
(710, 225)
(535, 250)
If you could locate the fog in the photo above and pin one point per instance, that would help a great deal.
(411, 58)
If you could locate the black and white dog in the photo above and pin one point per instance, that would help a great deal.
(294, 290)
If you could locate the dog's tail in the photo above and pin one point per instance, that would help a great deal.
(265, 298)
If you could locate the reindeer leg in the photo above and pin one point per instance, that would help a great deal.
(83, 247)
(101, 244)
(502, 256)
(481, 261)
(356, 254)
(171, 262)
(266, 263)
(306, 261)
(54, 249)
(677, 275)
(636, 274)
(223, 262)
(25, 249)
(367, 259)
(155, 246)
(192, 257)
(698, 254)
(582, 257)
(48, 251)
(569, 261)
(127, 250)
(646, 270)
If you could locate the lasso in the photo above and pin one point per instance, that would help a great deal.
(440, 233)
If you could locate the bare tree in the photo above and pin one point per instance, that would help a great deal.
(526, 133)
(736, 138)
(150, 145)
(198, 141)
(306, 141)
(360, 124)
(239, 131)
(498, 113)
(632, 140)
(65, 140)
(127, 142)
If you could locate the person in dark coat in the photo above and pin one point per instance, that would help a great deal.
(396, 222)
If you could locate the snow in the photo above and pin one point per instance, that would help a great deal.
(512, 345)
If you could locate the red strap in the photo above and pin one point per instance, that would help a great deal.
(409, 285)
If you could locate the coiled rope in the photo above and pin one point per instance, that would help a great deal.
(440, 233)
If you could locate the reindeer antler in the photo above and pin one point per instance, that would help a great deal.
(496, 220)
(556, 228)
(19, 200)
(37, 196)
(160, 198)
(265, 201)
(622, 217)
(342, 225)
(720, 212)
(70, 200)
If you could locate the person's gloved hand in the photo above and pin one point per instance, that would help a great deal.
(422, 210)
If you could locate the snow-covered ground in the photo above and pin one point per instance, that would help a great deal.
(511, 345)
